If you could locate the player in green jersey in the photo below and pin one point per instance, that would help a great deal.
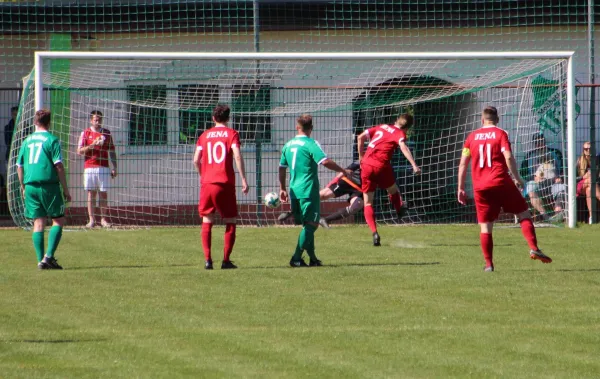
(41, 174)
(303, 155)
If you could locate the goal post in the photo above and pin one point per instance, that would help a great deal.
(349, 91)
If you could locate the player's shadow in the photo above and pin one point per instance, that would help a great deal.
(326, 265)
(130, 266)
(56, 341)
(465, 244)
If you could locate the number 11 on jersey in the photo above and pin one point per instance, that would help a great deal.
(488, 155)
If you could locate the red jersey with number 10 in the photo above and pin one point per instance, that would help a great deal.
(485, 146)
(216, 156)
(384, 139)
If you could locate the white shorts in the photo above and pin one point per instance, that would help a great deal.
(96, 179)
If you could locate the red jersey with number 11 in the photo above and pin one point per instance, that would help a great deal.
(384, 139)
(216, 156)
(485, 146)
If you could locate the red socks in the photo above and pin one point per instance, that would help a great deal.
(206, 239)
(529, 233)
(487, 247)
(396, 201)
(229, 241)
(370, 217)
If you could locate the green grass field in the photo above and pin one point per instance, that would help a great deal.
(138, 304)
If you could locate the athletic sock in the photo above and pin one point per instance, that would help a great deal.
(229, 241)
(338, 215)
(396, 201)
(206, 239)
(487, 247)
(53, 240)
(370, 217)
(529, 233)
(38, 245)
(309, 241)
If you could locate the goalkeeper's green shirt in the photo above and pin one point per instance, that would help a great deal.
(302, 155)
(38, 155)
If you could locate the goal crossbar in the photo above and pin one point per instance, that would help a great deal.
(40, 56)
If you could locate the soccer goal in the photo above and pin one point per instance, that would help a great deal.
(157, 104)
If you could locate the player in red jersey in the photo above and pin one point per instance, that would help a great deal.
(96, 145)
(490, 151)
(376, 170)
(216, 150)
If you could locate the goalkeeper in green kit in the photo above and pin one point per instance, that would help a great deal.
(303, 155)
(41, 175)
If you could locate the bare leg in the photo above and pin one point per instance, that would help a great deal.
(103, 205)
(91, 205)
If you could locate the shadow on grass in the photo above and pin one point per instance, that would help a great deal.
(131, 266)
(73, 340)
(326, 265)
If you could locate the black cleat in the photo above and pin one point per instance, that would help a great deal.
(376, 239)
(208, 265)
(299, 263)
(227, 265)
(402, 212)
(324, 223)
(284, 216)
(52, 263)
(315, 263)
(44, 266)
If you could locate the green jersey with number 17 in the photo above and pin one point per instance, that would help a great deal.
(303, 155)
(38, 155)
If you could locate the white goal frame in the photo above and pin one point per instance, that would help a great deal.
(40, 56)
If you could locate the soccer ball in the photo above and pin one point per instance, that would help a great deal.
(272, 200)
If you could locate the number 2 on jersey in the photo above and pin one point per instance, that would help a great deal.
(34, 156)
(488, 154)
(378, 135)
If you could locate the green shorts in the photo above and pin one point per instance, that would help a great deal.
(306, 210)
(44, 200)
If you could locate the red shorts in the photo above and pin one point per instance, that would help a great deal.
(217, 197)
(581, 188)
(488, 202)
(373, 177)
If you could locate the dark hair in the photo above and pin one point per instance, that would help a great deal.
(96, 113)
(405, 121)
(14, 109)
(42, 118)
(305, 122)
(221, 113)
(490, 114)
(539, 137)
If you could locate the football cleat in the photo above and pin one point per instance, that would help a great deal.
(402, 212)
(299, 263)
(44, 266)
(284, 216)
(488, 269)
(227, 265)
(208, 265)
(315, 263)
(538, 255)
(52, 263)
(324, 223)
(376, 239)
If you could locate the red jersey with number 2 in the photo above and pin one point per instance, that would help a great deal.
(384, 139)
(216, 156)
(485, 146)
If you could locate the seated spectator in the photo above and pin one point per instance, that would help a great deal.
(542, 169)
(584, 164)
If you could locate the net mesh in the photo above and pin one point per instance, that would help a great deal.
(156, 109)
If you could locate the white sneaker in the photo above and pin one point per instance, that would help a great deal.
(590, 221)
(105, 224)
(90, 224)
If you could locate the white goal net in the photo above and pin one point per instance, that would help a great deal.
(157, 108)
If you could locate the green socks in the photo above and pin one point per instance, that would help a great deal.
(53, 240)
(38, 244)
(306, 241)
